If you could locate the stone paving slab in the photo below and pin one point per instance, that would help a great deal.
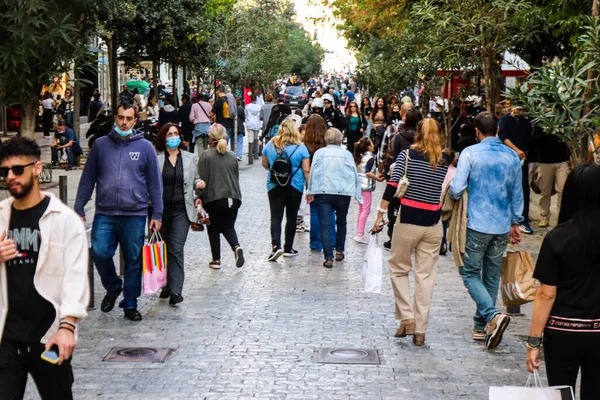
(251, 333)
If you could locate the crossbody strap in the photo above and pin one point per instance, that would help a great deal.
(406, 163)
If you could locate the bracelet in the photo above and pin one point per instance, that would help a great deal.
(67, 329)
(382, 210)
(64, 321)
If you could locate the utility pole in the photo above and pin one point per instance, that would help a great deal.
(114, 76)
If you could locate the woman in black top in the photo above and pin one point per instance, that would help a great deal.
(567, 305)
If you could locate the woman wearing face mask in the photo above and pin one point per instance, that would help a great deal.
(180, 178)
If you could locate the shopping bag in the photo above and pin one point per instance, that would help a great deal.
(517, 285)
(532, 390)
(372, 267)
(154, 264)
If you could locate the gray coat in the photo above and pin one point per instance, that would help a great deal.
(190, 179)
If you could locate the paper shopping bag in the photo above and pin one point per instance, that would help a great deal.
(372, 267)
(154, 264)
(532, 390)
(517, 285)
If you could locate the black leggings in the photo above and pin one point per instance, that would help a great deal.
(565, 354)
(283, 199)
(222, 221)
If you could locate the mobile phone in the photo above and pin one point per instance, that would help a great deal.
(51, 355)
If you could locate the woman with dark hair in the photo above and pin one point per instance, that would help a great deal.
(406, 136)
(356, 125)
(566, 309)
(180, 178)
(379, 120)
(152, 109)
(67, 107)
(48, 113)
(365, 107)
(314, 139)
(137, 99)
(168, 113)
(467, 135)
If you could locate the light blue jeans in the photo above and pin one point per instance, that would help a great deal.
(481, 273)
(236, 148)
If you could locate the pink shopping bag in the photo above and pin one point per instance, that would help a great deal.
(154, 264)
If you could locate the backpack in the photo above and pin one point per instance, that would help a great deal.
(226, 113)
(281, 170)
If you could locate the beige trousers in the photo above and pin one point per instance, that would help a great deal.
(552, 176)
(426, 242)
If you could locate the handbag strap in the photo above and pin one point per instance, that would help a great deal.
(406, 164)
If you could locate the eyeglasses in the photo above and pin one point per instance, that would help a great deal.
(16, 169)
(352, 106)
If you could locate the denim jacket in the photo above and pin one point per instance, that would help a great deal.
(333, 171)
(491, 172)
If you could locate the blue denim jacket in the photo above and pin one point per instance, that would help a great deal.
(491, 172)
(333, 171)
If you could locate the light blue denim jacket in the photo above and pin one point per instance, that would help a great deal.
(491, 172)
(333, 171)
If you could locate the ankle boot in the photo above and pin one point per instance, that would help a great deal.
(419, 339)
(407, 327)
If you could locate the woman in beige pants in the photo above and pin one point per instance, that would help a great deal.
(418, 227)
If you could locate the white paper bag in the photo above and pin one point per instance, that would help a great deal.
(532, 390)
(372, 267)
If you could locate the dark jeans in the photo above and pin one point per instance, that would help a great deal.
(445, 225)
(565, 354)
(69, 119)
(326, 203)
(47, 117)
(525, 176)
(222, 221)
(315, 228)
(283, 199)
(69, 151)
(52, 381)
(393, 208)
(352, 137)
(174, 231)
(129, 232)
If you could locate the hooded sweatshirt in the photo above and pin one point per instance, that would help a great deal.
(403, 140)
(126, 175)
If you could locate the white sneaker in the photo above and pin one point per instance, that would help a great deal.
(360, 239)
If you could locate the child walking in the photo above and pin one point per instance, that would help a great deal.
(365, 163)
(449, 176)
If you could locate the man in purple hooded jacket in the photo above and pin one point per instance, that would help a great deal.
(123, 167)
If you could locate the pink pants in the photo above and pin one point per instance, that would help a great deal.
(363, 212)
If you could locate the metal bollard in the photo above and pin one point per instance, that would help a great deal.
(250, 153)
(62, 189)
(91, 305)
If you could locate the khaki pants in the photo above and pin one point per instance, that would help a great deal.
(551, 176)
(426, 242)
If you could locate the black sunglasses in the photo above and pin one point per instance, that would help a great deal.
(16, 169)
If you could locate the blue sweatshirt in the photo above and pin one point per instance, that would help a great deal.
(126, 175)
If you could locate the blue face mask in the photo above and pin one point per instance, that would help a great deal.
(173, 142)
(121, 133)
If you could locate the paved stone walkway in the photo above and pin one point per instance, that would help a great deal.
(252, 332)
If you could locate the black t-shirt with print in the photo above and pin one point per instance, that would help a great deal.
(576, 276)
(218, 110)
(29, 314)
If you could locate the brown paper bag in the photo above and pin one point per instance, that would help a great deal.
(517, 284)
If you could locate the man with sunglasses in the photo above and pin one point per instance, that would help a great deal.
(44, 289)
(124, 169)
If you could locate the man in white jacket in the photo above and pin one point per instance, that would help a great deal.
(44, 289)
(253, 124)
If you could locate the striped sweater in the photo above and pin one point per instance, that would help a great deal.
(421, 202)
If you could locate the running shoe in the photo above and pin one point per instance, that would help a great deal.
(495, 329)
(525, 228)
(277, 252)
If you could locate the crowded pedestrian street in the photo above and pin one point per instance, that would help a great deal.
(254, 332)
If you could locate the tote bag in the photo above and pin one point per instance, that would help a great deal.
(154, 264)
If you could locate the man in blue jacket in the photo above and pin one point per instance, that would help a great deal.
(123, 167)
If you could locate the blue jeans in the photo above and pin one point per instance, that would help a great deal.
(326, 204)
(236, 148)
(69, 119)
(315, 228)
(129, 232)
(481, 272)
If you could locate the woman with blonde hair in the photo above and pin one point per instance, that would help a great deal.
(287, 161)
(222, 196)
(418, 227)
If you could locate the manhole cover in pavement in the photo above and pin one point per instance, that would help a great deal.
(138, 354)
(348, 356)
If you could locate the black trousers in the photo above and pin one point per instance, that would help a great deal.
(525, 176)
(222, 221)
(393, 208)
(566, 354)
(53, 381)
(284, 199)
(47, 117)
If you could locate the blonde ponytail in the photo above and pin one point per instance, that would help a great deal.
(218, 133)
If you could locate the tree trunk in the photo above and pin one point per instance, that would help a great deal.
(29, 113)
(595, 8)
(174, 80)
(155, 66)
(76, 101)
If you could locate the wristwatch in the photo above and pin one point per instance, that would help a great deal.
(534, 342)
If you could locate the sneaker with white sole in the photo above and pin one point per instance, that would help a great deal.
(478, 336)
(290, 253)
(277, 252)
(360, 239)
(239, 257)
(215, 264)
(495, 329)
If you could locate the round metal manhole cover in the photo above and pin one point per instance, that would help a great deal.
(137, 352)
(349, 353)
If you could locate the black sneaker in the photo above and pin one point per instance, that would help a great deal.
(133, 314)
(328, 263)
(175, 299)
(277, 252)
(388, 245)
(443, 249)
(290, 253)
(239, 257)
(108, 302)
(165, 293)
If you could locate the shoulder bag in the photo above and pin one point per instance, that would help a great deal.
(403, 184)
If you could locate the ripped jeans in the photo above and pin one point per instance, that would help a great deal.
(481, 272)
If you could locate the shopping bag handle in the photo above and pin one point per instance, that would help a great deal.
(155, 237)
(535, 381)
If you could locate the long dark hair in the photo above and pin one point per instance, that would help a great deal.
(360, 148)
(581, 207)
(413, 117)
(376, 109)
(363, 107)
